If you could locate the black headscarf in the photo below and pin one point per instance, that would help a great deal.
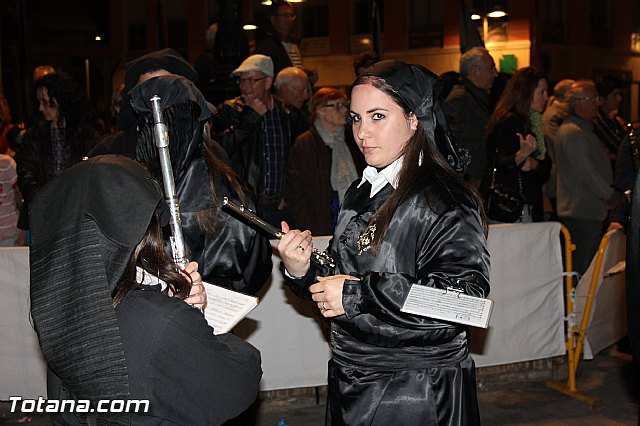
(419, 90)
(186, 137)
(165, 59)
(85, 225)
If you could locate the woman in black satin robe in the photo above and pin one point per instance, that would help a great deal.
(229, 252)
(410, 220)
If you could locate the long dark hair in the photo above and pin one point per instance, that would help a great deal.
(150, 254)
(423, 169)
(73, 109)
(516, 98)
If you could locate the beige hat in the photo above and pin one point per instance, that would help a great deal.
(261, 63)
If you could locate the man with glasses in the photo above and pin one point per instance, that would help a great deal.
(585, 180)
(257, 130)
(279, 44)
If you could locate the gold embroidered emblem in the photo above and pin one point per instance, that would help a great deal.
(365, 241)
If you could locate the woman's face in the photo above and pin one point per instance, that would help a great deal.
(48, 106)
(612, 101)
(333, 113)
(540, 97)
(380, 126)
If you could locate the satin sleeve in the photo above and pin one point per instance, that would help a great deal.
(451, 252)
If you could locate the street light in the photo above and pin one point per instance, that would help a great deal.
(497, 11)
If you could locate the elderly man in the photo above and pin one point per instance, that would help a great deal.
(470, 110)
(552, 117)
(292, 88)
(585, 179)
(257, 130)
(279, 44)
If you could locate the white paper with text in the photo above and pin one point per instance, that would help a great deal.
(226, 308)
(448, 305)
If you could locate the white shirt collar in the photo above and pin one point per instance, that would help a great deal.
(379, 180)
(145, 278)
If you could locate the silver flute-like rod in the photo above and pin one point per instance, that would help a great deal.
(322, 257)
(161, 136)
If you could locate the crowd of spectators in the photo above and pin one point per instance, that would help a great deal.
(558, 153)
(544, 146)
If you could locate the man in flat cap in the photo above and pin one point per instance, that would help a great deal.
(256, 130)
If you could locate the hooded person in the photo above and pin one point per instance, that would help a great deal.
(108, 305)
(410, 220)
(230, 253)
(160, 62)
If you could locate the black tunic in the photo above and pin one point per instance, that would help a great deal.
(390, 367)
(189, 375)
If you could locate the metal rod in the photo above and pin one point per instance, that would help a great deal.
(323, 258)
(161, 136)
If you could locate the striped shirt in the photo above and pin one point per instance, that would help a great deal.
(294, 53)
(272, 138)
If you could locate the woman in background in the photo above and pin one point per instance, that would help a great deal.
(59, 141)
(321, 165)
(515, 141)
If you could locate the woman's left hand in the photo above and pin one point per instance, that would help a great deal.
(197, 297)
(327, 293)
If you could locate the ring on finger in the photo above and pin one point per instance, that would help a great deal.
(301, 248)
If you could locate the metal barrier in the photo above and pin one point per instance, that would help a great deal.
(574, 340)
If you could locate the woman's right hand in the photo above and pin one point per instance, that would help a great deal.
(295, 250)
(527, 146)
(198, 296)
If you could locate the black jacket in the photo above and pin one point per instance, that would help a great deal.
(236, 127)
(34, 160)
(502, 145)
(309, 182)
(271, 46)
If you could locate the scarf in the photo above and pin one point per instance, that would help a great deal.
(343, 170)
(538, 132)
(419, 89)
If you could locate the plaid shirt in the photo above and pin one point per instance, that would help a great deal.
(272, 138)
